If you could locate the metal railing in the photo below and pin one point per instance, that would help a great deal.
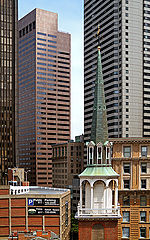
(99, 212)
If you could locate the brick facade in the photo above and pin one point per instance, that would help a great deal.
(110, 230)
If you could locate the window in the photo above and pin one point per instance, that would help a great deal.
(143, 167)
(127, 151)
(143, 201)
(126, 167)
(126, 216)
(126, 201)
(143, 183)
(125, 232)
(126, 184)
(143, 151)
(143, 216)
(143, 232)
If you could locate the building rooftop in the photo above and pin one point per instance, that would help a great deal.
(99, 171)
(29, 190)
(46, 190)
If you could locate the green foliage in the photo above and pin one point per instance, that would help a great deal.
(74, 224)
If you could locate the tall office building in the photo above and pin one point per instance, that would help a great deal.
(125, 41)
(8, 86)
(44, 92)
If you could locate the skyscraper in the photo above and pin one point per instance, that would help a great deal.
(8, 86)
(44, 92)
(125, 40)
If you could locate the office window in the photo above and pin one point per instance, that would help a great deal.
(126, 216)
(143, 183)
(143, 167)
(143, 151)
(125, 232)
(143, 232)
(127, 151)
(126, 167)
(126, 201)
(126, 184)
(143, 216)
(143, 201)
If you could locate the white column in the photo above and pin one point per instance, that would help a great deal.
(92, 200)
(116, 196)
(87, 156)
(106, 199)
(92, 155)
(80, 196)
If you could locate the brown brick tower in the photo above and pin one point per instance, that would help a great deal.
(44, 92)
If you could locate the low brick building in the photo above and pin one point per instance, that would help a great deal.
(34, 208)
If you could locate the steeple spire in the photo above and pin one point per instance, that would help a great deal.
(99, 129)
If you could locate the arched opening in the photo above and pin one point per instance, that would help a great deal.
(97, 232)
(85, 194)
(98, 195)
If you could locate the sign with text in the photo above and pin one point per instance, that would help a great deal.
(43, 202)
(43, 211)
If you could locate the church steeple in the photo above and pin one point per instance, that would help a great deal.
(99, 149)
(99, 130)
(98, 182)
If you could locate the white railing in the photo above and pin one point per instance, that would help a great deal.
(17, 190)
(103, 212)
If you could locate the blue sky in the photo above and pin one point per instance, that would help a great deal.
(70, 19)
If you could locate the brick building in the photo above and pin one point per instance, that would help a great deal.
(44, 92)
(67, 164)
(34, 208)
(131, 160)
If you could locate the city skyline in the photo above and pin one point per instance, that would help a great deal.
(70, 20)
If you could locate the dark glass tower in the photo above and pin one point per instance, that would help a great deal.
(8, 86)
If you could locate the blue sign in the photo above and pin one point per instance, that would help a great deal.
(30, 202)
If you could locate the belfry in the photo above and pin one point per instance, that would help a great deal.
(98, 209)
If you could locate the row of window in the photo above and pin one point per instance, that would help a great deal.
(126, 232)
(126, 183)
(27, 29)
(127, 151)
(126, 216)
(143, 200)
(127, 168)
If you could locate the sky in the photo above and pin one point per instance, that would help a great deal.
(70, 19)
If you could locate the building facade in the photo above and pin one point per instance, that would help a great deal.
(8, 87)
(131, 160)
(34, 208)
(67, 164)
(44, 92)
(124, 41)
